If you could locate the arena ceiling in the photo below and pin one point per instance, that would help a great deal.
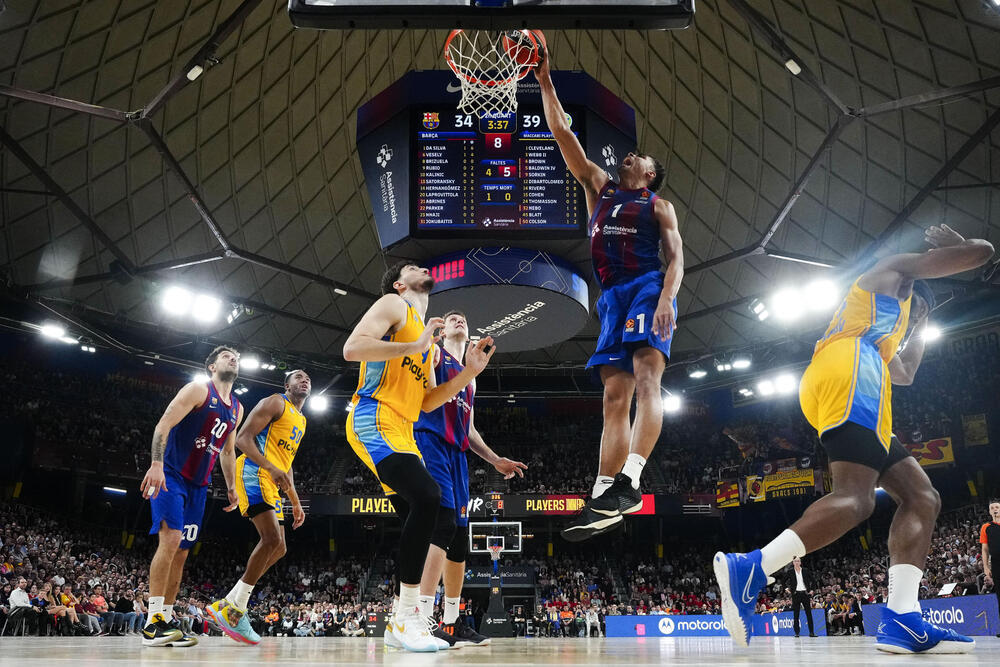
(247, 182)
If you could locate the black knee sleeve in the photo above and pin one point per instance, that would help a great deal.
(406, 475)
(444, 527)
(458, 550)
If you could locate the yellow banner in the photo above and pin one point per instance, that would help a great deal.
(790, 483)
(755, 489)
(933, 452)
(976, 430)
(727, 494)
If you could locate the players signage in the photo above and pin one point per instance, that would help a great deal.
(479, 506)
(705, 625)
(969, 615)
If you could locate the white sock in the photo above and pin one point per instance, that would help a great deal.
(409, 600)
(239, 597)
(426, 603)
(155, 606)
(904, 588)
(601, 485)
(633, 468)
(781, 551)
(168, 612)
(451, 610)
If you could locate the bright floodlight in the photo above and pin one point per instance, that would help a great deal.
(821, 295)
(206, 308)
(787, 304)
(52, 331)
(176, 300)
(931, 333)
(739, 363)
(319, 403)
(765, 387)
(697, 372)
(200, 377)
(785, 383)
(672, 403)
(249, 363)
(69, 340)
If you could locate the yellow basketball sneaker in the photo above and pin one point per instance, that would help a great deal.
(232, 621)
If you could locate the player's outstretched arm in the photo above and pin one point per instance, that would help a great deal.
(227, 459)
(503, 465)
(476, 359)
(664, 318)
(950, 254)
(265, 412)
(590, 176)
(187, 399)
(386, 315)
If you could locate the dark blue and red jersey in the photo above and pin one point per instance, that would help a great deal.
(451, 421)
(196, 441)
(624, 235)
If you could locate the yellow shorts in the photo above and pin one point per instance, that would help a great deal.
(848, 381)
(255, 490)
(376, 431)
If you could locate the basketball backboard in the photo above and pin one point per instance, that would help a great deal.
(492, 14)
(484, 534)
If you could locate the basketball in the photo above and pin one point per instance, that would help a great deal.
(523, 46)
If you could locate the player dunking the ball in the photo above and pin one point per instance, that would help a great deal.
(198, 425)
(269, 440)
(846, 395)
(443, 436)
(395, 383)
(630, 226)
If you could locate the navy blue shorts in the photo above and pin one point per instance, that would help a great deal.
(626, 313)
(449, 467)
(181, 505)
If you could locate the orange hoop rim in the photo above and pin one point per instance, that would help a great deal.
(536, 44)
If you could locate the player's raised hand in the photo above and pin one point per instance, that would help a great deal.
(429, 336)
(298, 515)
(942, 236)
(542, 68)
(664, 319)
(509, 468)
(153, 481)
(478, 355)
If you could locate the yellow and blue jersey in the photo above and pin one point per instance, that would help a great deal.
(278, 442)
(848, 377)
(388, 399)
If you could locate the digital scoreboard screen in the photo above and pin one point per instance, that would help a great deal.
(492, 173)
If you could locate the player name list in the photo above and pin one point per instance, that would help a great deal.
(446, 184)
(547, 188)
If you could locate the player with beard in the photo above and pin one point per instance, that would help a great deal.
(443, 437)
(269, 440)
(633, 234)
(198, 425)
(875, 340)
(395, 384)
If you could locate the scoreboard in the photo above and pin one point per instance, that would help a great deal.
(492, 173)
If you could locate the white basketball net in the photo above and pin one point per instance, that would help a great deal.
(487, 69)
(495, 551)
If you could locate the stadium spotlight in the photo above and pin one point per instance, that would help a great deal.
(759, 308)
(50, 330)
(115, 490)
(740, 363)
(206, 308)
(785, 383)
(348, 408)
(787, 304)
(69, 340)
(176, 300)
(697, 372)
(745, 392)
(319, 403)
(793, 67)
(88, 348)
(199, 377)
(765, 387)
(195, 72)
(932, 333)
(249, 363)
(235, 313)
(340, 292)
(672, 403)
(821, 295)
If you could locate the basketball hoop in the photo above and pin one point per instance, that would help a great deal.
(495, 550)
(489, 64)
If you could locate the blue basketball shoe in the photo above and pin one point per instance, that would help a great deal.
(740, 578)
(910, 633)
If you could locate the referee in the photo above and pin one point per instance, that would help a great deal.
(989, 537)
(800, 597)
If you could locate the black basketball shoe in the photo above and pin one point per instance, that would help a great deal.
(185, 639)
(445, 635)
(464, 635)
(620, 497)
(160, 633)
(589, 523)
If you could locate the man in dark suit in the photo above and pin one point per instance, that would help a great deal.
(800, 597)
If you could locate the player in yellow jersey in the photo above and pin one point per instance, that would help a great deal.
(396, 382)
(269, 440)
(846, 395)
